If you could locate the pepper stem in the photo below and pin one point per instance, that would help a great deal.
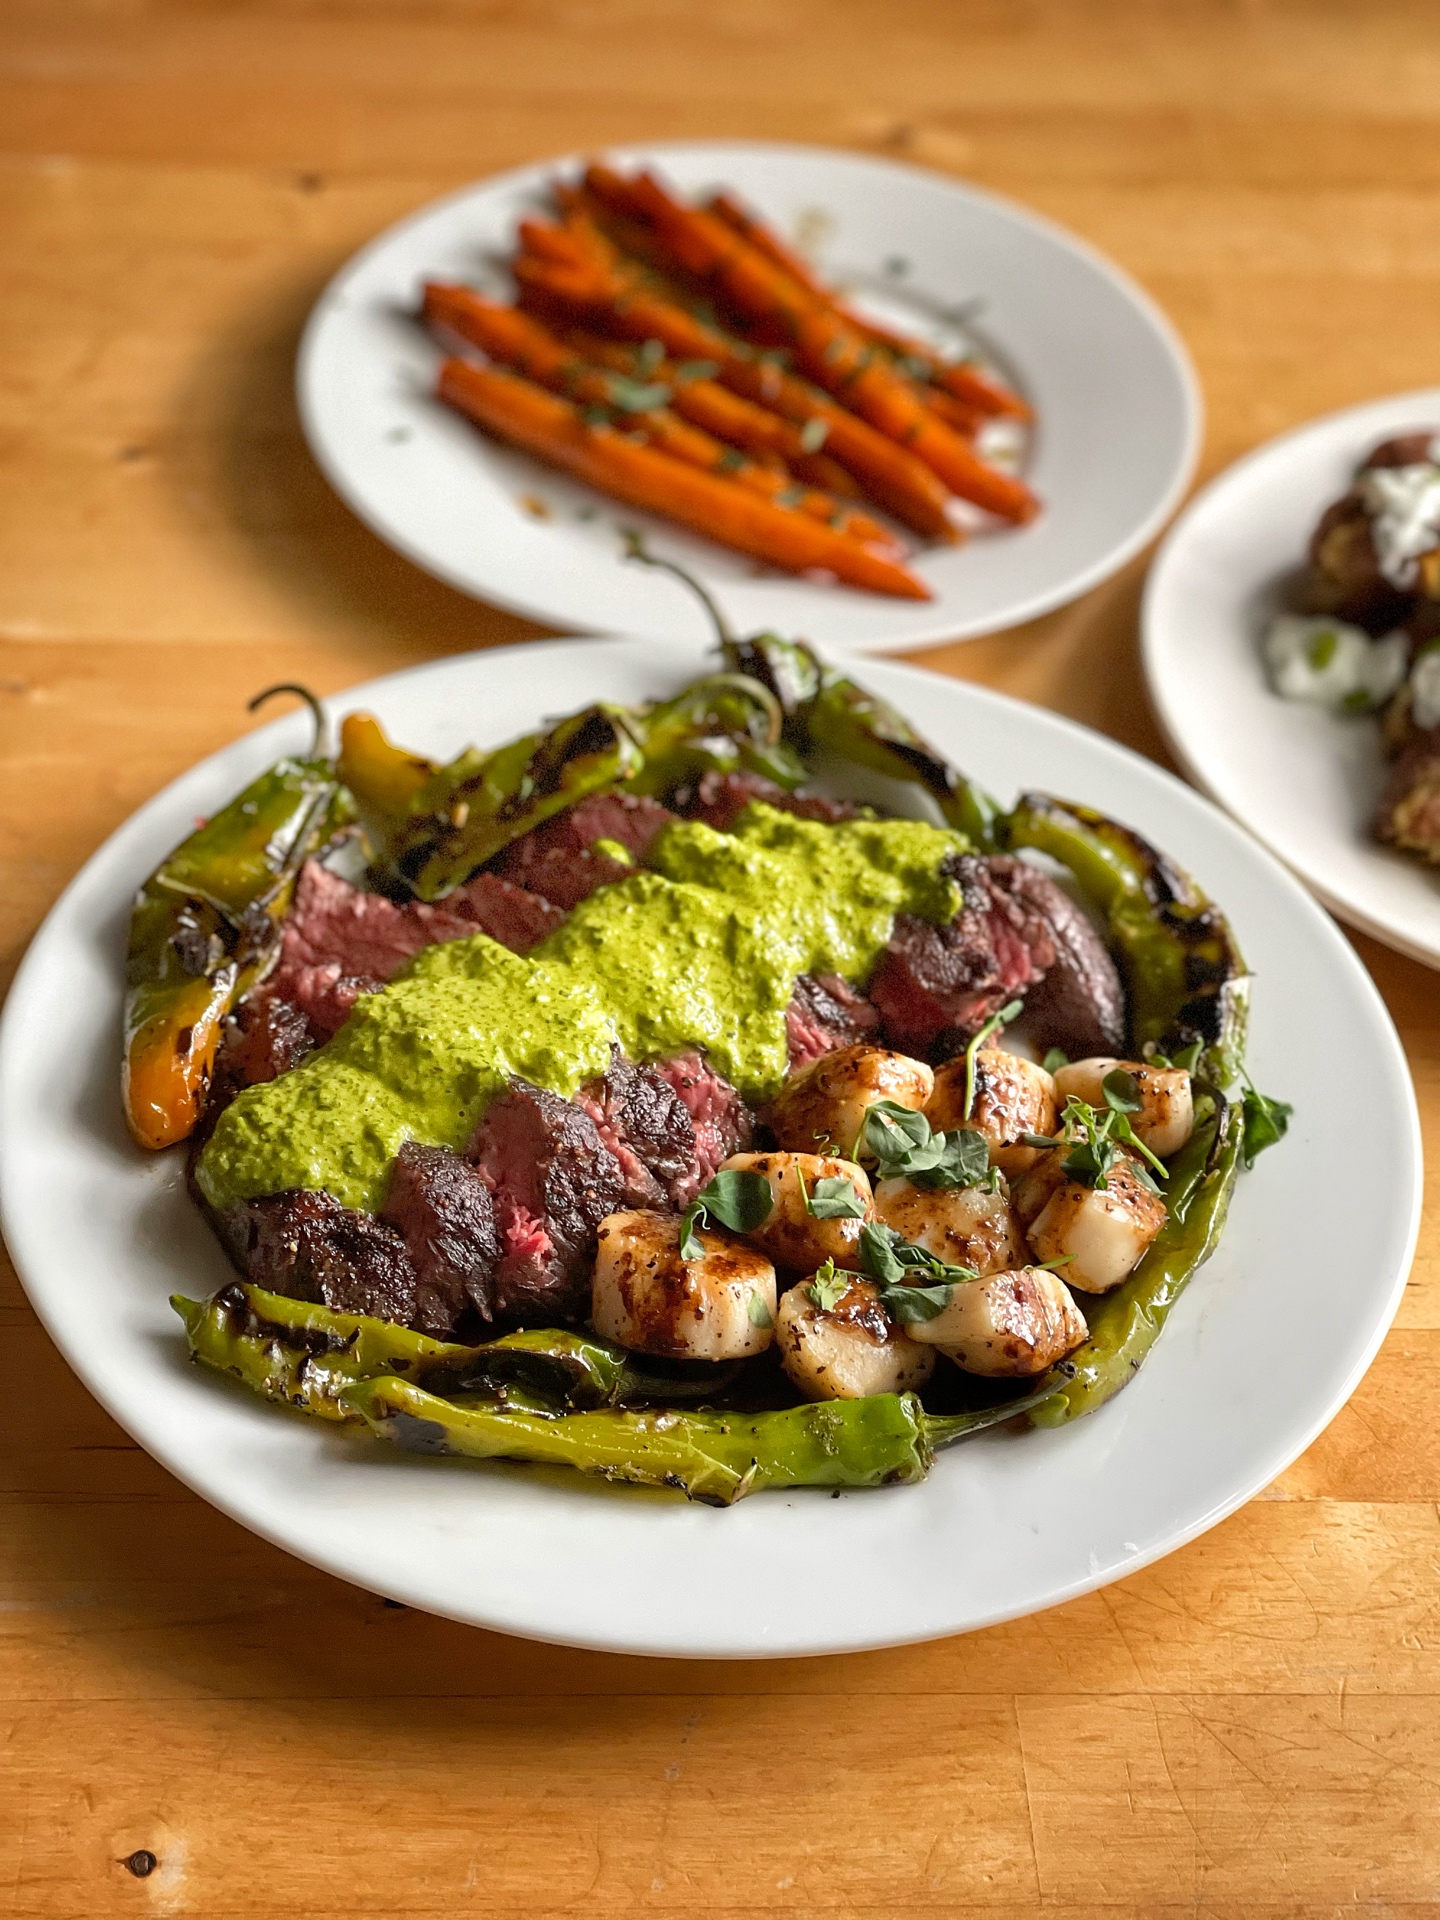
(636, 549)
(320, 745)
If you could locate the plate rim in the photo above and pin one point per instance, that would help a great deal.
(1319, 428)
(1261, 1472)
(1018, 613)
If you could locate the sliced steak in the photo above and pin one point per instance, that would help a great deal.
(559, 861)
(262, 1039)
(515, 917)
(647, 1127)
(308, 1246)
(935, 981)
(340, 942)
(554, 1181)
(1079, 1004)
(722, 1122)
(825, 1012)
(445, 1214)
(719, 799)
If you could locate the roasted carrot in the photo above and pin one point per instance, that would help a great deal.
(955, 413)
(759, 432)
(902, 484)
(554, 430)
(830, 349)
(519, 341)
(960, 379)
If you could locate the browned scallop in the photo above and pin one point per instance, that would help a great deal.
(719, 1305)
(847, 1351)
(1167, 1108)
(1010, 1324)
(791, 1235)
(1012, 1097)
(1101, 1233)
(822, 1108)
(963, 1226)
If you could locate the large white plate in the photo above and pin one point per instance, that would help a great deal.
(1264, 1348)
(1118, 406)
(1304, 780)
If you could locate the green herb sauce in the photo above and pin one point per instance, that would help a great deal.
(702, 948)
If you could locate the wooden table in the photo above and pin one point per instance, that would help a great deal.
(1249, 1727)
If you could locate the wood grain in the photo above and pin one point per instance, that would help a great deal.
(1249, 1728)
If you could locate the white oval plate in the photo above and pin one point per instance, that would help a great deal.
(1304, 780)
(1118, 407)
(1264, 1348)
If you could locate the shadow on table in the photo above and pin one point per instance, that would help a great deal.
(240, 453)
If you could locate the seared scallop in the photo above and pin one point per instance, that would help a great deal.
(718, 1305)
(791, 1235)
(1012, 1097)
(1167, 1113)
(1102, 1233)
(1018, 1322)
(849, 1350)
(824, 1105)
(963, 1226)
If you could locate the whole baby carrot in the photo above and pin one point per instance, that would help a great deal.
(543, 424)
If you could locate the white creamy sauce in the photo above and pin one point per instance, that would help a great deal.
(1331, 663)
(1404, 508)
(1425, 689)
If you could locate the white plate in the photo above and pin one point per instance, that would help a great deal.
(1304, 780)
(1117, 402)
(1264, 1348)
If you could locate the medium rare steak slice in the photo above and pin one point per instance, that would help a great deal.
(647, 1126)
(719, 799)
(559, 861)
(825, 1012)
(308, 1246)
(340, 942)
(935, 982)
(445, 1214)
(722, 1122)
(554, 1181)
(1079, 1004)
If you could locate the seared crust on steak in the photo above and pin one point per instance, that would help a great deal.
(445, 1213)
(308, 1246)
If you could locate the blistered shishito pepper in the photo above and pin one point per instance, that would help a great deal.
(729, 722)
(1182, 968)
(300, 1352)
(467, 811)
(205, 928)
(1126, 1323)
(306, 1354)
(713, 1457)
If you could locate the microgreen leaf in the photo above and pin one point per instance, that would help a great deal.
(1055, 1058)
(835, 1199)
(909, 1304)
(814, 434)
(1263, 1122)
(1122, 1091)
(877, 1253)
(829, 1286)
(697, 370)
(636, 396)
(735, 1198)
(649, 356)
(760, 1314)
(904, 1146)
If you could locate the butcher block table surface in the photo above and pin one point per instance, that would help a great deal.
(1248, 1728)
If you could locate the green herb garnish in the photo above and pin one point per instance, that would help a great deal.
(1263, 1121)
(1055, 1058)
(904, 1146)
(735, 1198)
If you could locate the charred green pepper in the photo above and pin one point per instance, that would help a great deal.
(307, 1354)
(467, 811)
(205, 928)
(713, 1457)
(1126, 1323)
(1182, 969)
(726, 722)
